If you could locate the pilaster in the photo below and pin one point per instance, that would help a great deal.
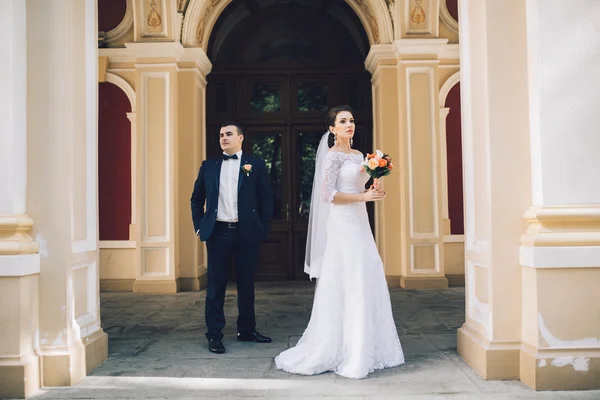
(19, 258)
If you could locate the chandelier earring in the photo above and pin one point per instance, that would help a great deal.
(351, 142)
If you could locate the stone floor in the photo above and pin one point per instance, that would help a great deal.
(157, 350)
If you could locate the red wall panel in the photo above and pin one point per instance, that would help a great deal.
(454, 156)
(114, 163)
(452, 6)
(110, 14)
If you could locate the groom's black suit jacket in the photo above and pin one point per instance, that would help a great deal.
(255, 199)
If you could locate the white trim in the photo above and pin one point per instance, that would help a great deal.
(117, 244)
(447, 86)
(124, 86)
(122, 70)
(447, 18)
(19, 265)
(133, 121)
(91, 135)
(560, 257)
(157, 66)
(124, 26)
(439, 47)
(467, 137)
(420, 62)
(444, 161)
(454, 238)
(534, 77)
(433, 136)
(133, 51)
(166, 77)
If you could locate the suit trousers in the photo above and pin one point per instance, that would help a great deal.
(224, 243)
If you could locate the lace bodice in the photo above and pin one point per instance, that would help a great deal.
(342, 173)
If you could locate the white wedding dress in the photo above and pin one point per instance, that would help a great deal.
(351, 330)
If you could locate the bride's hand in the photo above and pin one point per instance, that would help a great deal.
(374, 194)
(378, 183)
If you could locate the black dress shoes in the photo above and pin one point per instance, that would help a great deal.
(216, 346)
(253, 337)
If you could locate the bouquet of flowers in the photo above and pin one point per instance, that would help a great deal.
(377, 165)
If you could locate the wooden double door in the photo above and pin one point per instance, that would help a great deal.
(284, 119)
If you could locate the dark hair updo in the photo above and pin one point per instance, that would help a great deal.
(330, 120)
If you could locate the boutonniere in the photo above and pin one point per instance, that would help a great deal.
(247, 169)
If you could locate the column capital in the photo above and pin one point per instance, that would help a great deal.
(380, 54)
(159, 52)
(13, 235)
(561, 237)
(438, 47)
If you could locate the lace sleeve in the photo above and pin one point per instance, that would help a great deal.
(331, 167)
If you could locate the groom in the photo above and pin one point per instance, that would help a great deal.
(239, 208)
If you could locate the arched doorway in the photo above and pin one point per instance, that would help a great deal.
(277, 68)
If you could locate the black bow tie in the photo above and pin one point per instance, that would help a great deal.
(231, 157)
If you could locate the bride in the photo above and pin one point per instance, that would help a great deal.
(351, 329)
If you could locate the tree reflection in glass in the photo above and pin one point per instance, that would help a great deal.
(308, 142)
(266, 97)
(312, 96)
(268, 148)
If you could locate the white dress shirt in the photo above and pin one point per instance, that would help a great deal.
(228, 189)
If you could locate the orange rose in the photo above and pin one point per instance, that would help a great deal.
(373, 164)
(390, 166)
(382, 162)
(369, 156)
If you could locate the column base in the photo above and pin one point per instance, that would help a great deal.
(19, 378)
(413, 283)
(155, 286)
(393, 281)
(456, 280)
(96, 350)
(65, 369)
(568, 369)
(116, 285)
(493, 361)
(192, 284)
(70, 368)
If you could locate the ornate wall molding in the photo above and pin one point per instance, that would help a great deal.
(447, 18)
(201, 16)
(113, 36)
(447, 86)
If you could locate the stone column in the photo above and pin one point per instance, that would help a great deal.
(406, 106)
(19, 261)
(193, 68)
(390, 234)
(62, 184)
(560, 251)
(496, 170)
(418, 71)
(157, 93)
